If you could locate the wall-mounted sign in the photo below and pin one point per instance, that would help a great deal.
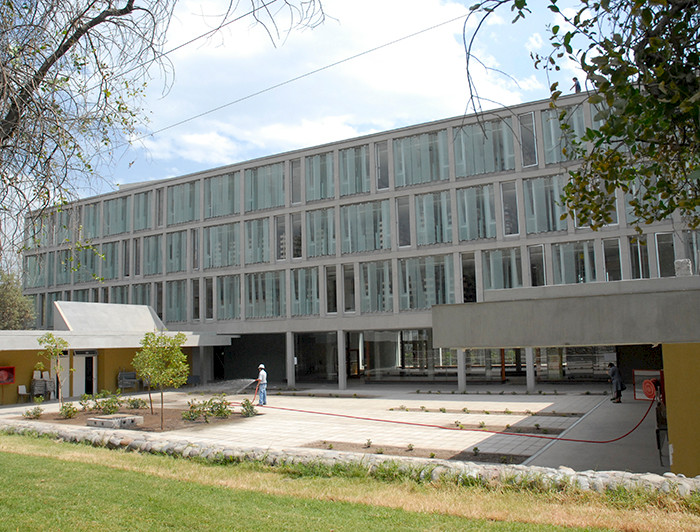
(7, 374)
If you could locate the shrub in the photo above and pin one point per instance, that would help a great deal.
(219, 407)
(68, 411)
(247, 408)
(135, 403)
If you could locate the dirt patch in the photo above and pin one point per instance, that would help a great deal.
(466, 455)
(172, 419)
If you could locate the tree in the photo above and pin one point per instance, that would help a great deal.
(162, 363)
(72, 74)
(16, 310)
(54, 348)
(642, 65)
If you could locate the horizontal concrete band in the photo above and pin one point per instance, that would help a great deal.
(580, 320)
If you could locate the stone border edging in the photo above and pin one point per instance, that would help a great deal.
(435, 468)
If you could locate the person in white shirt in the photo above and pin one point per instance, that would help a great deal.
(262, 385)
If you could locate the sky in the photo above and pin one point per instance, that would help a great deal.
(373, 65)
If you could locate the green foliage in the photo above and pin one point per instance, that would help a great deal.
(35, 413)
(16, 310)
(641, 61)
(135, 403)
(247, 408)
(54, 347)
(161, 361)
(68, 411)
(217, 406)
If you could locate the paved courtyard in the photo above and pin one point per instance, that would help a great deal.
(427, 416)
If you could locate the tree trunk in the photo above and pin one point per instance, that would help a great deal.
(161, 408)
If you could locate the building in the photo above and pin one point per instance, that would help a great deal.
(325, 262)
(102, 341)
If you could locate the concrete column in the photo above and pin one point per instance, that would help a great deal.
(342, 362)
(461, 370)
(530, 369)
(290, 363)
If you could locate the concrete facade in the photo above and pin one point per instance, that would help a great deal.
(336, 254)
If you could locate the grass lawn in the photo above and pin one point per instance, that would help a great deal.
(47, 485)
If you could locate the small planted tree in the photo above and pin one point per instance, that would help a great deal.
(161, 363)
(54, 346)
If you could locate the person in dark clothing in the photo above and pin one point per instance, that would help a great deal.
(616, 380)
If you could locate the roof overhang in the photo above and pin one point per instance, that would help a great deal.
(640, 312)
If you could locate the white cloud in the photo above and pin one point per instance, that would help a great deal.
(535, 42)
(417, 79)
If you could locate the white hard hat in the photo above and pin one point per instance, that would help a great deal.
(261, 366)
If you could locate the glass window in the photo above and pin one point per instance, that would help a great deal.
(365, 227)
(51, 263)
(265, 295)
(502, 268)
(574, 262)
(613, 266)
(176, 296)
(35, 270)
(639, 257)
(375, 286)
(143, 210)
(692, 248)
(426, 281)
(281, 237)
(476, 213)
(297, 242)
(152, 255)
(195, 299)
(305, 298)
(81, 295)
(433, 218)
(159, 207)
(543, 206)
(159, 299)
(64, 264)
(194, 245)
(537, 273)
(117, 216)
(228, 300)
(483, 148)
(468, 277)
(222, 195)
(137, 256)
(295, 169)
(183, 203)
(349, 287)
(221, 246)
(126, 266)
(110, 262)
(528, 140)
(320, 232)
(381, 153)
(209, 298)
(141, 294)
(257, 237)
(120, 295)
(557, 144)
(421, 159)
(403, 215)
(353, 167)
(510, 209)
(320, 182)
(176, 251)
(264, 187)
(665, 255)
(92, 223)
(331, 290)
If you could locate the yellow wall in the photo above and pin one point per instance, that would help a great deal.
(109, 363)
(682, 383)
(24, 362)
